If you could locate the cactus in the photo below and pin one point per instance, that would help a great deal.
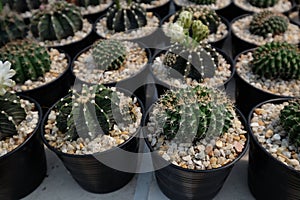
(267, 23)
(109, 54)
(122, 17)
(277, 60)
(192, 113)
(56, 21)
(22, 6)
(29, 60)
(12, 27)
(85, 3)
(263, 3)
(91, 112)
(204, 2)
(290, 121)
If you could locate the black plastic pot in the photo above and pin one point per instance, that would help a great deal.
(23, 169)
(268, 178)
(247, 96)
(178, 183)
(294, 17)
(161, 10)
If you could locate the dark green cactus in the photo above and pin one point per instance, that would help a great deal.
(56, 21)
(144, 1)
(11, 114)
(126, 17)
(190, 114)
(29, 60)
(85, 3)
(204, 2)
(267, 23)
(290, 121)
(12, 27)
(109, 54)
(92, 111)
(263, 3)
(22, 6)
(276, 60)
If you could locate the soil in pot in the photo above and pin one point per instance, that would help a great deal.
(160, 7)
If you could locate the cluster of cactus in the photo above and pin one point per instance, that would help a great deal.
(85, 3)
(124, 17)
(12, 27)
(204, 2)
(290, 121)
(109, 54)
(22, 6)
(29, 60)
(92, 111)
(267, 23)
(56, 21)
(263, 3)
(276, 60)
(192, 113)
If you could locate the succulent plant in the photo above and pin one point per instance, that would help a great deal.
(22, 6)
(192, 113)
(204, 2)
(85, 3)
(29, 60)
(94, 110)
(12, 27)
(277, 60)
(56, 21)
(290, 120)
(263, 3)
(124, 17)
(268, 23)
(109, 54)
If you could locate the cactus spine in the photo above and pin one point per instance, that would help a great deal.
(263, 3)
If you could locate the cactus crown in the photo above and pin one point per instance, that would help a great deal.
(94, 110)
(109, 54)
(268, 23)
(277, 60)
(263, 3)
(192, 113)
(29, 60)
(204, 2)
(290, 120)
(22, 6)
(56, 21)
(125, 16)
(85, 3)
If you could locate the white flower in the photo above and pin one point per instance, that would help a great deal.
(5, 74)
(175, 32)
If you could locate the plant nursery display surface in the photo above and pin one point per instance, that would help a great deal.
(278, 6)
(215, 4)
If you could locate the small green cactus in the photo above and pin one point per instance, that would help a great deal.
(192, 113)
(204, 2)
(126, 17)
(263, 3)
(290, 121)
(268, 23)
(92, 111)
(56, 21)
(29, 60)
(277, 60)
(22, 6)
(109, 54)
(85, 3)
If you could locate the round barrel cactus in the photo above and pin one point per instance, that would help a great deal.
(109, 54)
(56, 21)
(277, 60)
(290, 121)
(263, 3)
(22, 6)
(125, 16)
(29, 60)
(204, 2)
(268, 23)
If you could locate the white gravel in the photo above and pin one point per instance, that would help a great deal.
(219, 4)
(281, 6)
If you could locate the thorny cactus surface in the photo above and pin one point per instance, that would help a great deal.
(277, 60)
(268, 23)
(94, 110)
(29, 60)
(204, 2)
(192, 113)
(124, 17)
(109, 54)
(263, 3)
(56, 21)
(290, 120)
(22, 6)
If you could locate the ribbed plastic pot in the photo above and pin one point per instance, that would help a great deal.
(268, 178)
(91, 173)
(178, 183)
(46, 95)
(23, 169)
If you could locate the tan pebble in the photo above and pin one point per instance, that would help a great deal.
(243, 137)
(183, 165)
(214, 166)
(219, 144)
(261, 123)
(81, 145)
(259, 111)
(238, 146)
(294, 155)
(213, 160)
(269, 133)
(226, 162)
(208, 149)
(231, 156)
(294, 162)
(281, 158)
(236, 137)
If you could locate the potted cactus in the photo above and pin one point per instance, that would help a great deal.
(274, 153)
(91, 130)
(249, 31)
(266, 72)
(41, 73)
(160, 7)
(195, 136)
(20, 143)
